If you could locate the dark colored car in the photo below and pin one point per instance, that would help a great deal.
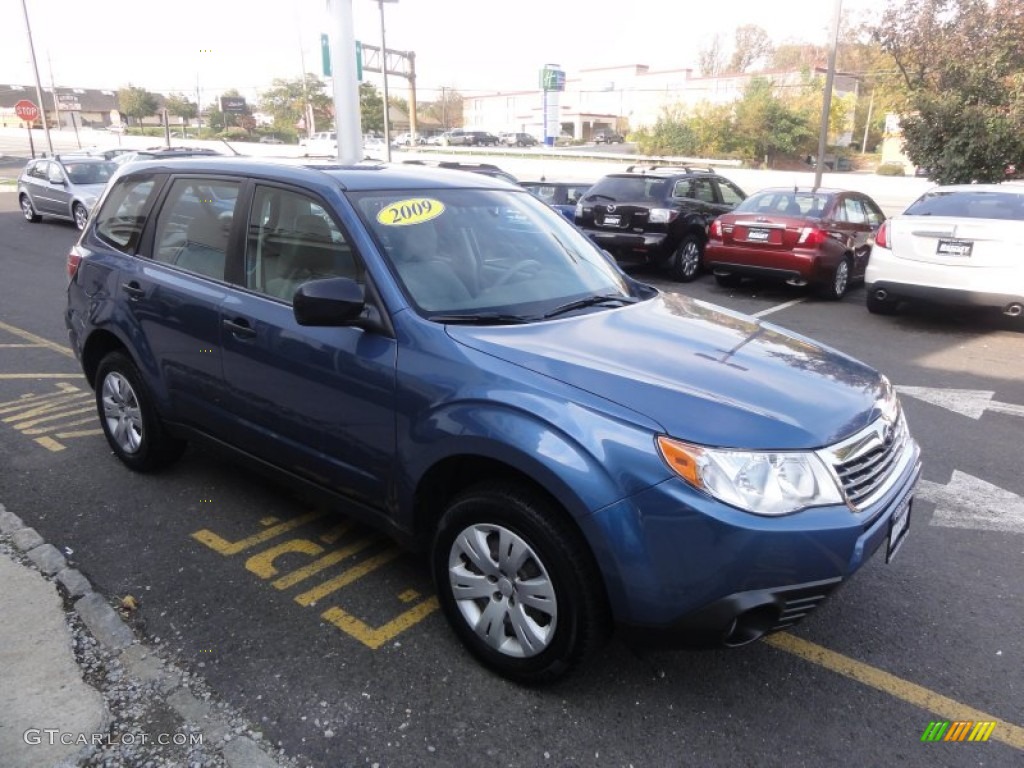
(441, 355)
(64, 187)
(608, 137)
(811, 237)
(657, 215)
(481, 139)
(560, 195)
(518, 139)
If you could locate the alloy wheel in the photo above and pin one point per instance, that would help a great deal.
(122, 412)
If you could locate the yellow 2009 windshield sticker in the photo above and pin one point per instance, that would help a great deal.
(415, 210)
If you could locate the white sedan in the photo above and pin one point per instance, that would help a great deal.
(961, 244)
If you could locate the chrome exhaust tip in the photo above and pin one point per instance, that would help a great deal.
(881, 294)
(1013, 310)
(796, 282)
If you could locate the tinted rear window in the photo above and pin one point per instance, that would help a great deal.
(785, 202)
(970, 204)
(633, 189)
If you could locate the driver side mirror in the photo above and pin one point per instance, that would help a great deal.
(335, 301)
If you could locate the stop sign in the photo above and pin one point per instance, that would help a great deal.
(26, 110)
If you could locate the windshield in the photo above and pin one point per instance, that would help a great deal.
(784, 203)
(970, 204)
(89, 173)
(478, 251)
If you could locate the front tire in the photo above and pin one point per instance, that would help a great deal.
(686, 262)
(27, 210)
(129, 419)
(518, 584)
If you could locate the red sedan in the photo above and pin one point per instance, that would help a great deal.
(818, 237)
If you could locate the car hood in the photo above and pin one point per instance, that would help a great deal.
(705, 374)
(90, 192)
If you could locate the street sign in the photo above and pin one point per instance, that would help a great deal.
(325, 57)
(234, 105)
(69, 102)
(26, 110)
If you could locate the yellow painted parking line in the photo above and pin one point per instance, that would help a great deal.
(262, 564)
(50, 444)
(225, 547)
(21, 402)
(41, 376)
(79, 433)
(919, 696)
(63, 425)
(332, 558)
(375, 637)
(72, 409)
(345, 578)
(31, 337)
(21, 346)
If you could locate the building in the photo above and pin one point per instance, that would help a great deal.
(628, 97)
(87, 107)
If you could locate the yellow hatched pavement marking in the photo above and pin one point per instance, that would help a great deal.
(41, 376)
(39, 340)
(375, 637)
(919, 696)
(54, 412)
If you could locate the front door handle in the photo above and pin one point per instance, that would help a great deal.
(240, 327)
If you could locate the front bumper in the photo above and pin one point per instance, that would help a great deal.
(683, 568)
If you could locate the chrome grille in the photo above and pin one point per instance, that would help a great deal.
(868, 463)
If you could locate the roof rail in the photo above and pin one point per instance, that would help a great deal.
(683, 168)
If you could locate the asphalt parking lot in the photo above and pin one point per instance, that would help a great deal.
(329, 638)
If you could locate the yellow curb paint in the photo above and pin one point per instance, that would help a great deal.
(919, 696)
(31, 337)
(375, 637)
(41, 376)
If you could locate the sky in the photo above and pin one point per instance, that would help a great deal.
(475, 46)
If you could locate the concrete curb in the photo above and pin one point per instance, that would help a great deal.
(139, 660)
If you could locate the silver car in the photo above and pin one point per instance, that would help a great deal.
(63, 187)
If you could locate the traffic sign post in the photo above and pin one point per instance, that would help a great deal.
(28, 112)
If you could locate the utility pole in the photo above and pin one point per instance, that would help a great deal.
(39, 85)
(826, 102)
(384, 68)
(412, 95)
(867, 123)
(53, 87)
(307, 110)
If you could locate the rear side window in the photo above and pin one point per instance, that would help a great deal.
(194, 224)
(120, 221)
(970, 204)
(731, 194)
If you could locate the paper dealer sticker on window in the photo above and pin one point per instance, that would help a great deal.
(415, 210)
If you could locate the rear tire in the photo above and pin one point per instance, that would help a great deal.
(518, 584)
(836, 288)
(686, 262)
(129, 419)
(80, 215)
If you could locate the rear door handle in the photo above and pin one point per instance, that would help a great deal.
(134, 290)
(240, 327)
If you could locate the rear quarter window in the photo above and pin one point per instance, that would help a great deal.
(121, 219)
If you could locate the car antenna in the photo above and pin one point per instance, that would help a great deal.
(237, 153)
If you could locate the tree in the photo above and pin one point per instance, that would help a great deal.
(711, 60)
(371, 107)
(766, 126)
(178, 105)
(136, 102)
(753, 46)
(447, 110)
(961, 67)
(285, 100)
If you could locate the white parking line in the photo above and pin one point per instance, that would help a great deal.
(768, 311)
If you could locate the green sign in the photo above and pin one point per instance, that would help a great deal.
(325, 56)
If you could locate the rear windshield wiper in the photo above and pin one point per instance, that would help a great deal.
(591, 301)
(483, 318)
(597, 195)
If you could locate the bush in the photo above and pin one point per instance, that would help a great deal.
(234, 134)
(891, 169)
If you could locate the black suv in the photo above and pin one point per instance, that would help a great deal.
(657, 215)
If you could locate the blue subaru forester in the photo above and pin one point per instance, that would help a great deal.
(450, 360)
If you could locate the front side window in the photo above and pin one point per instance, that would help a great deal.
(291, 240)
(852, 211)
(476, 251)
(194, 223)
(54, 174)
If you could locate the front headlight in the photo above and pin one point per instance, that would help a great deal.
(762, 482)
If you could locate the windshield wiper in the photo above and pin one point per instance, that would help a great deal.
(597, 195)
(591, 301)
(483, 318)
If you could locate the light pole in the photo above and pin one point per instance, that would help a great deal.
(39, 85)
(384, 69)
(826, 102)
